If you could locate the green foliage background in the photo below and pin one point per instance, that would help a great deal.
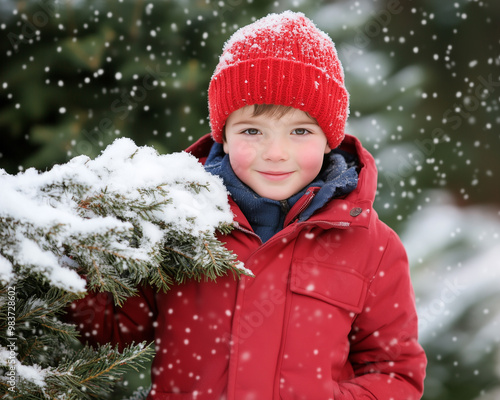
(423, 77)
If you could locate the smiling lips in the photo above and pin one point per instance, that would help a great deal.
(275, 175)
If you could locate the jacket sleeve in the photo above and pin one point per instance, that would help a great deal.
(100, 321)
(387, 360)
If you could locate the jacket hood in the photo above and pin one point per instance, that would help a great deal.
(352, 209)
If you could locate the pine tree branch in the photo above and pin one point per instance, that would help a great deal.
(103, 250)
(94, 371)
(129, 360)
(98, 273)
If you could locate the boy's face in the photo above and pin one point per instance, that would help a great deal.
(276, 157)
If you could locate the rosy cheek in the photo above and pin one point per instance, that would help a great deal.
(310, 160)
(241, 156)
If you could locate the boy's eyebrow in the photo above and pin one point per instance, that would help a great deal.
(244, 122)
(305, 122)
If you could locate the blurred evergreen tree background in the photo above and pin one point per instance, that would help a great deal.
(424, 80)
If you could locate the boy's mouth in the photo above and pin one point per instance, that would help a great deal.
(275, 175)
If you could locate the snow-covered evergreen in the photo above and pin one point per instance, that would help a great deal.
(128, 217)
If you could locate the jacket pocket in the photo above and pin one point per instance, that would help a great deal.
(334, 284)
(322, 304)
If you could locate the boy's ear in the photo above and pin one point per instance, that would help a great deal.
(327, 148)
(224, 142)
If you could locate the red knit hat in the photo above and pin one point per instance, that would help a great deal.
(281, 59)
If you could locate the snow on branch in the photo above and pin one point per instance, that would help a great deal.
(119, 217)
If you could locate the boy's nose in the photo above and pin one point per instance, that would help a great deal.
(275, 149)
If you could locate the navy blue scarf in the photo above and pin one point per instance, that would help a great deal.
(338, 177)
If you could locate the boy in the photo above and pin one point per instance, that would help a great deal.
(330, 312)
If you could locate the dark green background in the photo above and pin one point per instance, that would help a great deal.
(423, 77)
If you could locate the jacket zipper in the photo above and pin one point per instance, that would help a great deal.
(302, 208)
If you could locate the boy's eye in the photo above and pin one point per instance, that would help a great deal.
(251, 131)
(300, 131)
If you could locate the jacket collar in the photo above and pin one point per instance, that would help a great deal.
(355, 209)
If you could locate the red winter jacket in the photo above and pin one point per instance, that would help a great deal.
(330, 313)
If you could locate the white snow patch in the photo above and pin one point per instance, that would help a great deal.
(6, 274)
(32, 373)
(188, 200)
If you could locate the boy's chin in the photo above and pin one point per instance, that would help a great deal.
(273, 195)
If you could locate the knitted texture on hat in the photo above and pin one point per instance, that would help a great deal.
(281, 59)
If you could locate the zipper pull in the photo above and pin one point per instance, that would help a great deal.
(284, 206)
